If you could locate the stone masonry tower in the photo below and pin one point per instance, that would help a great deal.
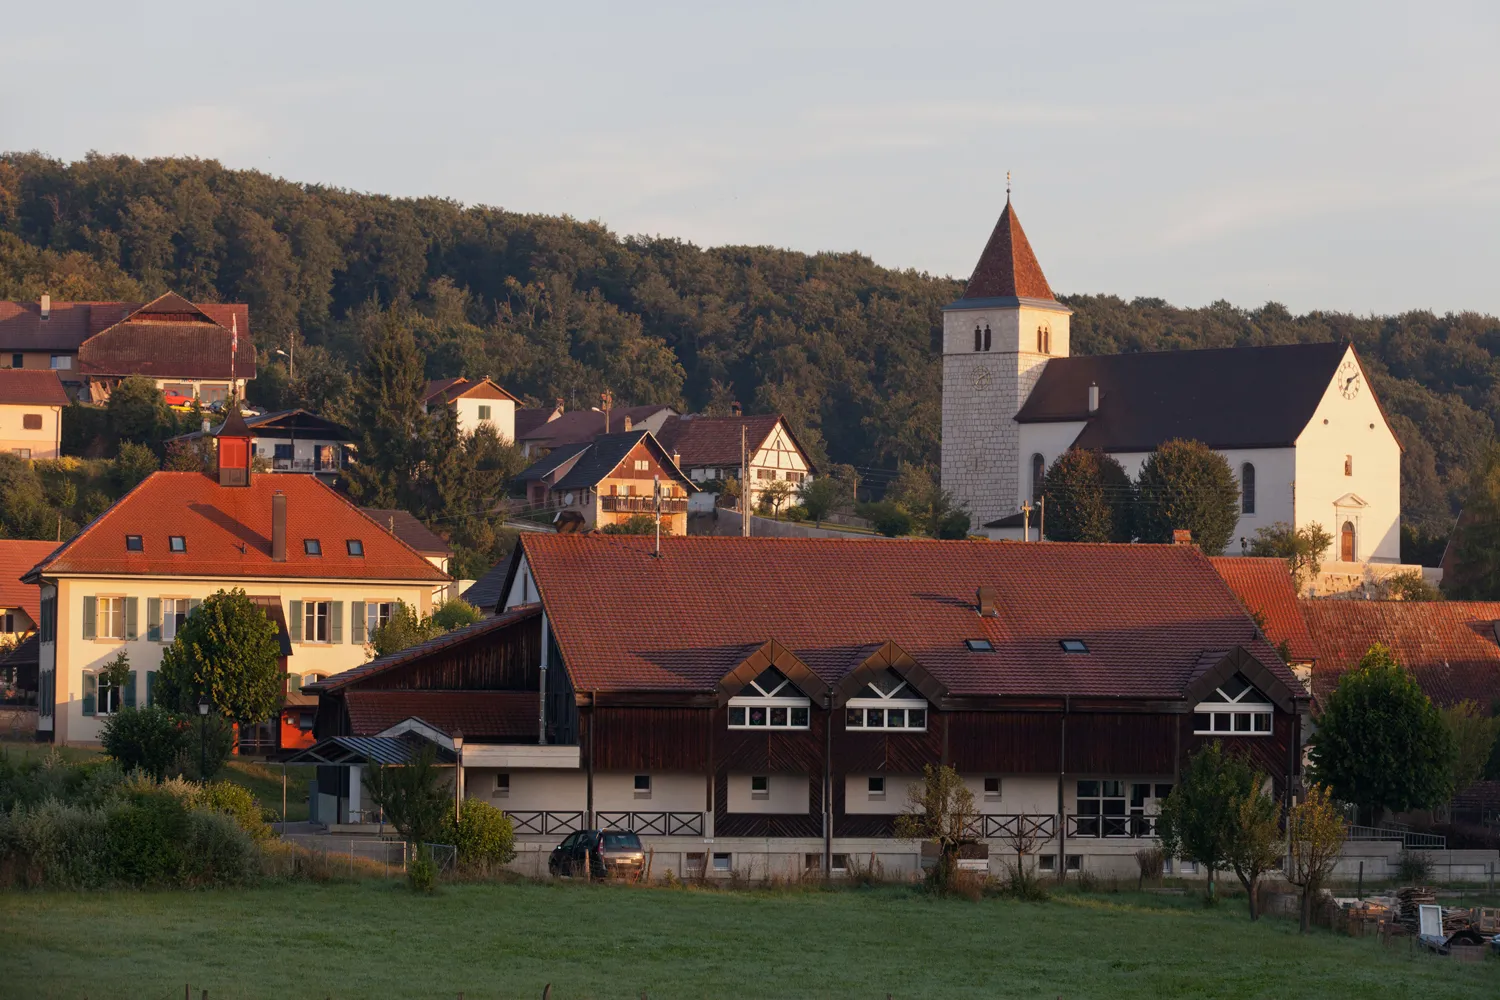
(996, 340)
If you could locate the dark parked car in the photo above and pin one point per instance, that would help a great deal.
(598, 854)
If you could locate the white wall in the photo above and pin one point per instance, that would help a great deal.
(1048, 440)
(522, 590)
(1354, 427)
(535, 790)
(502, 415)
(669, 793)
(788, 795)
(858, 800)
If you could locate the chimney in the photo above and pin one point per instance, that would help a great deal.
(46, 305)
(559, 404)
(278, 526)
(985, 602)
(628, 422)
(734, 408)
(677, 458)
(1182, 536)
(1093, 399)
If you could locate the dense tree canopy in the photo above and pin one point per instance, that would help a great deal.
(1186, 484)
(1089, 498)
(558, 308)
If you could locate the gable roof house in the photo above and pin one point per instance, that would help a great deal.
(609, 480)
(477, 402)
(20, 604)
(539, 430)
(189, 349)
(294, 441)
(709, 448)
(781, 695)
(322, 569)
(31, 404)
(1298, 423)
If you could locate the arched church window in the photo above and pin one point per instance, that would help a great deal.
(1247, 489)
(1038, 471)
(977, 337)
(1041, 347)
(986, 336)
(1346, 542)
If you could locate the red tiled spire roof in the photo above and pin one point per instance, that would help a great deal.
(1008, 268)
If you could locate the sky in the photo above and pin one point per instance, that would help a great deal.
(1341, 156)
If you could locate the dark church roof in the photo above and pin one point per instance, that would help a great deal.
(1235, 397)
(1008, 268)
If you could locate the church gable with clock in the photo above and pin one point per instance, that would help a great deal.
(1299, 423)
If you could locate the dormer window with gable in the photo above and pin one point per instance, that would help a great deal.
(769, 702)
(887, 702)
(1235, 708)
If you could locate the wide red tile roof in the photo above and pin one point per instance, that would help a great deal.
(1264, 586)
(405, 526)
(1449, 646)
(16, 557)
(184, 349)
(493, 715)
(625, 620)
(31, 387)
(228, 534)
(1008, 267)
(715, 441)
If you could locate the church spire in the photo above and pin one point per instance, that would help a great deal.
(1008, 268)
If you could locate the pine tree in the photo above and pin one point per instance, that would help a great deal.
(388, 414)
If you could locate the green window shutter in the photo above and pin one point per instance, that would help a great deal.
(293, 683)
(90, 616)
(357, 621)
(153, 619)
(335, 621)
(90, 687)
(130, 690)
(296, 622)
(132, 617)
(150, 688)
(193, 603)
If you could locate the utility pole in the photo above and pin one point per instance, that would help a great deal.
(1041, 527)
(656, 494)
(744, 485)
(607, 400)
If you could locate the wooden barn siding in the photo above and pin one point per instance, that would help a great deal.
(1004, 742)
(642, 740)
(742, 751)
(728, 824)
(866, 751)
(1270, 754)
(1120, 745)
(505, 661)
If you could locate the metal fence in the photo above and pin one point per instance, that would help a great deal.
(355, 856)
(1403, 835)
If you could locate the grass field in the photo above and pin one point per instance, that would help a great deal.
(377, 939)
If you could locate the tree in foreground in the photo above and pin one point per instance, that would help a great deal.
(1315, 835)
(227, 651)
(931, 507)
(1088, 498)
(1186, 484)
(1302, 548)
(147, 739)
(1409, 586)
(821, 495)
(1254, 839)
(1198, 818)
(411, 796)
(1381, 744)
(939, 811)
(635, 524)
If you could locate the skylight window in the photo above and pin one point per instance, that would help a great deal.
(1073, 645)
(356, 547)
(312, 546)
(177, 543)
(979, 645)
(133, 543)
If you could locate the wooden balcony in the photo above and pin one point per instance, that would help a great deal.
(642, 504)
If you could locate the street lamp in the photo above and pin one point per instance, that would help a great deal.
(291, 371)
(203, 740)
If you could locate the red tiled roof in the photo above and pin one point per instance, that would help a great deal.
(16, 557)
(381, 664)
(406, 527)
(580, 426)
(711, 441)
(1449, 646)
(1264, 586)
(228, 534)
(475, 714)
(1148, 613)
(1008, 268)
(158, 331)
(31, 387)
(454, 388)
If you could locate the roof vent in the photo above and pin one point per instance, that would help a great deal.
(985, 600)
(1182, 536)
(46, 305)
(1094, 398)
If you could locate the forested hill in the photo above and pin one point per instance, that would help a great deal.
(553, 307)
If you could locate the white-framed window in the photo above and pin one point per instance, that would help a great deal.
(1046, 862)
(62, 362)
(643, 465)
(760, 786)
(992, 788)
(484, 413)
(838, 863)
(21, 452)
(1234, 709)
(723, 862)
(111, 618)
(174, 612)
(377, 613)
(769, 702)
(315, 621)
(887, 702)
(108, 698)
(502, 785)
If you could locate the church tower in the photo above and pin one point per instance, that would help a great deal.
(996, 340)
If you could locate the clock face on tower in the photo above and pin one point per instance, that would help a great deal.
(1348, 379)
(982, 379)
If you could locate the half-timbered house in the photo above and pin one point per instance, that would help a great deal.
(765, 705)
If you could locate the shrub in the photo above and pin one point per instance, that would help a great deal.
(483, 834)
(149, 739)
(217, 849)
(1415, 869)
(236, 802)
(887, 518)
(454, 613)
(1024, 885)
(134, 463)
(208, 743)
(57, 844)
(144, 837)
(421, 874)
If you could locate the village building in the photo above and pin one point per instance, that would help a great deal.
(294, 441)
(607, 481)
(543, 429)
(200, 351)
(20, 605)
(1266, 589)
(31, 405)
(1299, 424)
(420, 538)
(128, 582)
(478, 403)
(763, 706)
(711, 449)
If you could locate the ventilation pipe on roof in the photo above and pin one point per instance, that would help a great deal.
(986, 601)
(46, 305)
(278, 527)
(1093, 399)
